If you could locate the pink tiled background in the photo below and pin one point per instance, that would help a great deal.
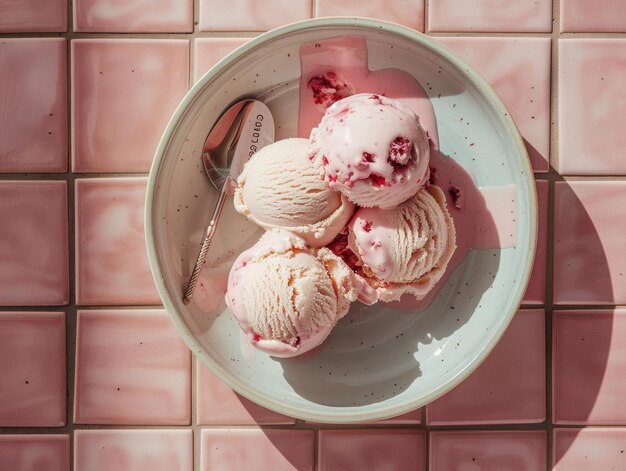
(94, 377)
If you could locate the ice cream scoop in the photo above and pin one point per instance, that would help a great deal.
(280, 187)
(287, 297)
(405, 249)
(372, 149)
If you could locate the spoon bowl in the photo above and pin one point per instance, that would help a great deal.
(244, 128)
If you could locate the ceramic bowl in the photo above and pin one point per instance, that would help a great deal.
(379, 361)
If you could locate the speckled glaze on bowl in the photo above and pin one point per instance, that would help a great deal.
(378, 362)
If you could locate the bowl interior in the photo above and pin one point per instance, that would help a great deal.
(379, 361)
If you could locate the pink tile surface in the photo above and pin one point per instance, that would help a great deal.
(32, 369)
(488, 450)
(220, 405)
(111, 259)
(496, 392)
(35, 452)
(491, 15)
(123, 93)
(255, 448)
(248, 15)
(20, 16)
(589, 345)
(592, 99)
(81, 113)
(589, 449)
(590, 221)
(209, 51)
(405, 12)
(601, 15)
(34, 267)
(519, 71)
(536, 291)
(33, 131)
(133, 450)
(138, 16)
(355, 450)
(131, 368)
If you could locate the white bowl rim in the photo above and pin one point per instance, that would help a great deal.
(370, 413)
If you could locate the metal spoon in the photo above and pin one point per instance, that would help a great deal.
(242, 130)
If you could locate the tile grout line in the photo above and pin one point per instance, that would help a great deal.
(316, 446)
(71, 312)
(252, 34)
(467, 427)
(549, 281)
(527, 34)
(195, 429)
(427, 437)
(548, 322)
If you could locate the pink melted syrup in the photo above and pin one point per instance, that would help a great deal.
(485, 218)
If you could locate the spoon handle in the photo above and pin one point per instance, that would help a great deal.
(206, 242)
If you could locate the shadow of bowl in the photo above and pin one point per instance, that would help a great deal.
(581, 332)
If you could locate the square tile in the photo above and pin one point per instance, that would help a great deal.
(592, 98)
(33, 136)
(495, 392)
(112, 265)
(519, 71)
(248, 15)
(536, 290)
(405, 12)
(138, 16)
(33, 365)
(589, 360)
(209, 51)
(217, 404)
(488, 450)
(24, 16)
(598, 16)
(224, 449)
(123, 94)
(523, 16)
(136, 450)
(589, 449)
(35, 452)
(131, 368)
(356, 450)
(34, 244)
(589, 242)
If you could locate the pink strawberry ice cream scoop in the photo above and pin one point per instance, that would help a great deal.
(405, 249)
(281, 188)
(372, 149)
(287, 297)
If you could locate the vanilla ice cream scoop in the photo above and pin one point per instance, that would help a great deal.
(405, 249)
(286, 297)
(281, 188)
(372, 149)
